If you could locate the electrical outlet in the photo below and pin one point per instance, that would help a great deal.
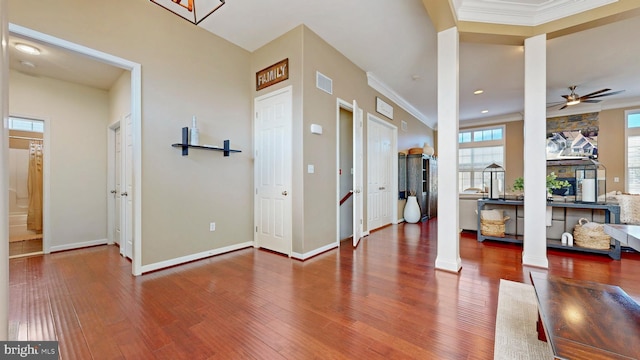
(616, 179)
(212, 226)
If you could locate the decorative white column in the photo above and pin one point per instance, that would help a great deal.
(535, 167)
(448, 257)
(4, 174)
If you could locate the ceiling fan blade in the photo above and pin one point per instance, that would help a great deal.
(563, 107)
(566, 96)
(552, 104)
(595, 93)
(607, 94)
(590, 101)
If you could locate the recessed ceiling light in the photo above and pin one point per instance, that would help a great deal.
(484, 111)
(28, 64)
(478, 92)
(28, 49)
(415, 77)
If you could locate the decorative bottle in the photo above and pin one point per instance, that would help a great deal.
(195, 134)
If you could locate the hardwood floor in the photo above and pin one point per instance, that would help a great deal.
(383, 300)
(24, 247)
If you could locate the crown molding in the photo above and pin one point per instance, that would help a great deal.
(522, 13)
(386, 91)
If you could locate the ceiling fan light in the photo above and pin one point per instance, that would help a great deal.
(573, 102)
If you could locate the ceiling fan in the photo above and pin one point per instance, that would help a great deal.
(574, 99)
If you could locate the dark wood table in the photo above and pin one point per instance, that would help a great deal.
(587, 320)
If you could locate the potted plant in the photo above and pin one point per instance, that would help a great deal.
(552, 183)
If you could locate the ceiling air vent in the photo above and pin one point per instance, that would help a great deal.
(324, 83)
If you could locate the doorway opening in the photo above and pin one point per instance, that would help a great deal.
(349, 170)
(26, 165)
(134, 109)
(345, 173)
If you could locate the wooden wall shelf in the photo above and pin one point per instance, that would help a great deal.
(185, 145)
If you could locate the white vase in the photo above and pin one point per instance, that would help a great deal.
(427, 149)
(412, 210)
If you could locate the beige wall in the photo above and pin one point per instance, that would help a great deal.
(611, 146)
(186, 71)
(120, 98)
(514, 154)
(315, 201)
(76, 117)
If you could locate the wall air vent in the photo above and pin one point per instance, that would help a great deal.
(404, 125)
(324, 83)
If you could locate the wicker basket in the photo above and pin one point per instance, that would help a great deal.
(490, 225)
(591, 235)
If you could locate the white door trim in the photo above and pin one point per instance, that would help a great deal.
(136, 117)
(394, 166)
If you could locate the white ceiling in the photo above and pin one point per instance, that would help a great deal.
(395, 42)
(62, 64)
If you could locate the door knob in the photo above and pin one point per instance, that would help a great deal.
(124, 194)
(113, 191)
(284, 193)
(381, 188)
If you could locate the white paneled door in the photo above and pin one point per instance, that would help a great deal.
(128, 186)
(358, 183)
(380, 152)
(272, 169)
(116, 191)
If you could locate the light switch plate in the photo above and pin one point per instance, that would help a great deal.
(311, 169)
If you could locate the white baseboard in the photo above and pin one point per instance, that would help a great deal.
(78, 245)
(313, 253)
(193, 257)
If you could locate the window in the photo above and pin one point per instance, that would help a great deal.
(24, 124)
(633, 152)
(478, 148)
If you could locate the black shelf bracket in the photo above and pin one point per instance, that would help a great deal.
(185, 145)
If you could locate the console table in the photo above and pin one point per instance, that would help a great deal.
(611, 215)
(585, 319)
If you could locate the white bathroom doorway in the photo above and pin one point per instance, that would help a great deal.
(26, 192)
